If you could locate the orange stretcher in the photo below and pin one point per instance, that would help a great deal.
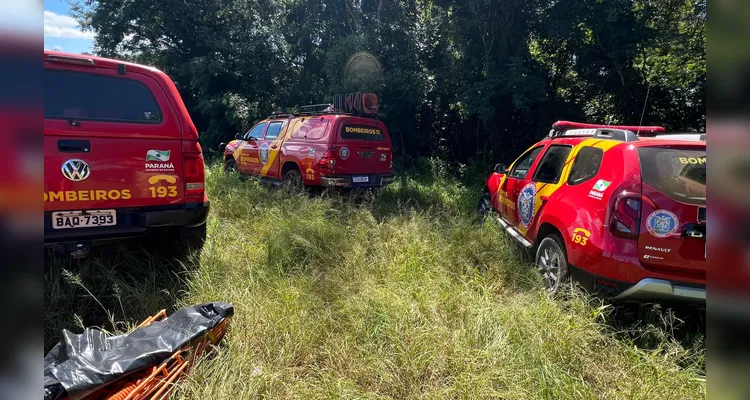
(153, 381)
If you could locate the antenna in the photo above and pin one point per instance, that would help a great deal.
(644, 105)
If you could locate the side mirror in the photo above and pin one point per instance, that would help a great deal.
(501, 168)
(238, 136)
(222, 147)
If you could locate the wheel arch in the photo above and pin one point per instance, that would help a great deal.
(547, 228)
(288, 166)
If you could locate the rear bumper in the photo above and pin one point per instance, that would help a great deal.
(645, 289)
(131, 222)
(346, 181)
(652, 289)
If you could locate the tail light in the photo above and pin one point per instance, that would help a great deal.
(195, 172)
(327, 164)
(626, 217)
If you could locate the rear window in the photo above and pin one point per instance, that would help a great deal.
(82, 96)
(551, 166)
(311, 129)
(677, 173)
(586, 166)
(362, 132)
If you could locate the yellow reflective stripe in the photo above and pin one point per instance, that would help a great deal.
(273, 153)
(236, 152)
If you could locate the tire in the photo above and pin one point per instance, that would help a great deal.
(193, 237)
(484, 207)
(552, 261)
(179, 243)
(293, 180)
(230, 166)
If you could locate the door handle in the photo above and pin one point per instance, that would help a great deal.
(73, 146)
(694, 231)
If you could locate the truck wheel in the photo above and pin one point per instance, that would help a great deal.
(484, 207)
(193, 237)
(177, 243)
(293, 180)
(230, 166)
(552, 261)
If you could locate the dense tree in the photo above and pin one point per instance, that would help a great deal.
(463, 79)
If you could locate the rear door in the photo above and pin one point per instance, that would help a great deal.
(270, 147)
(364, 147)
(110, 140)
(673, 224)
(517, 193)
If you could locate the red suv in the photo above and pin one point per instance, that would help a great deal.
(121, 155)
(320, 145)
(620, 209)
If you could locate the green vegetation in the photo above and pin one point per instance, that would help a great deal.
(395, 294)
(458, 79)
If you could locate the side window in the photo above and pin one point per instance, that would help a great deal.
(551, 166)
(312, 129)
(274, 128)
(256, 132)
(522, 166)
(586, 165)
(84, 96)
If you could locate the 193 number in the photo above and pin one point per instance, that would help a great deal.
(163, 191)
(582, 240)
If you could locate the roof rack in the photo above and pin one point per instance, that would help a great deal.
(277, 114)
(357, 103)
(689, 136)
(622, 135)
(639, 130)
(314, 109)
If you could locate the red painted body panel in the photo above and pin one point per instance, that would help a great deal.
(572, 211)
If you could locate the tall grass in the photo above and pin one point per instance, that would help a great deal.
(394, 294)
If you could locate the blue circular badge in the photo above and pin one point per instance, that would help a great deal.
(344, 153)
(525, 204)
(662, 223)
(264, 153)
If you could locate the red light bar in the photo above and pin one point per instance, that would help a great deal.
(565, 125)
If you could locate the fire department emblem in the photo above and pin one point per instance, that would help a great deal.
(662, 223)
(525, 206)
(264, 153)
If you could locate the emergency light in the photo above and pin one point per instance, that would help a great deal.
(639, 130)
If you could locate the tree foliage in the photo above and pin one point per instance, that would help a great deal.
(461, 79)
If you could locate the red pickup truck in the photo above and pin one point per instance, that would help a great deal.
(121, 155)
(320, 145)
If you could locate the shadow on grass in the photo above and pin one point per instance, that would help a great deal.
(652, 325)
(115, 288)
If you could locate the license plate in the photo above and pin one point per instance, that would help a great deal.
(83, 219)
(360, 179)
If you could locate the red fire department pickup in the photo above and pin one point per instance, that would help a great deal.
(339, 145)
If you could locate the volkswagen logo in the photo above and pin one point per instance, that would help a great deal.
(76, 170)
